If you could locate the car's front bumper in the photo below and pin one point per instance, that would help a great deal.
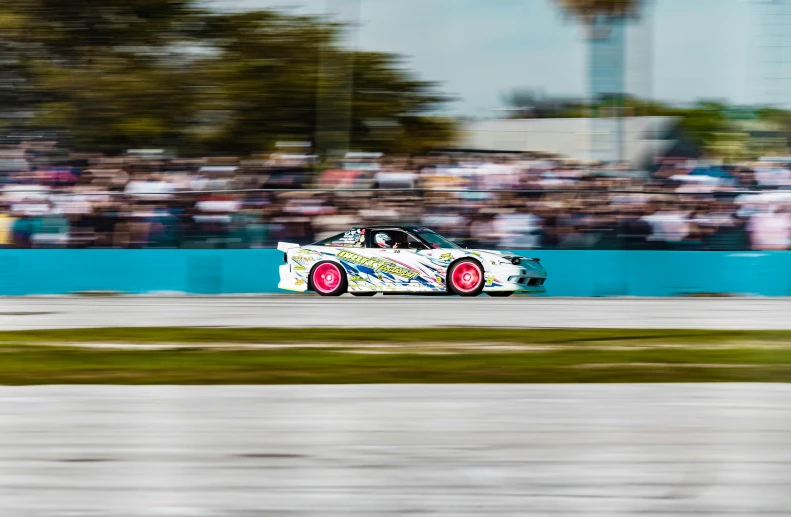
(517, 288)
(527, 277)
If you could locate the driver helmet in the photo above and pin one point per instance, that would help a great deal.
(383, 240)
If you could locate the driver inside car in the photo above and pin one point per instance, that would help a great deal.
(383, 240)
(386, 240)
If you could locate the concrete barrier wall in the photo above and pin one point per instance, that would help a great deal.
(571, 273)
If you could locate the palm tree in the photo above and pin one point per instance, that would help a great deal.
(586, 10)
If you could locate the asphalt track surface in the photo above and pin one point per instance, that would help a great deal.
(394, 311)
(442, 450)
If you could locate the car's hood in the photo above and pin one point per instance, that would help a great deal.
(500, 254)
(489, 253)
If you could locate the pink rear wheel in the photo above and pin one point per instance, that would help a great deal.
(328, 279)
(466, 278)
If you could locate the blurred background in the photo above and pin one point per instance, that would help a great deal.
(553, 124)
(210, 130)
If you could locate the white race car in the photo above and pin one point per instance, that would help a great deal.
(404, 260)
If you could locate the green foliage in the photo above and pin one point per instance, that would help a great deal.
(527, 103)
(577, 337)
(114, 74)
(731, 133)
(705, 124)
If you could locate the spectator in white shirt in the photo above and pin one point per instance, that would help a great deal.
(770, 229)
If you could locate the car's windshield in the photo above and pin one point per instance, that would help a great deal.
(435, 240)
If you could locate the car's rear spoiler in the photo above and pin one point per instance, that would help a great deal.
(285, 246)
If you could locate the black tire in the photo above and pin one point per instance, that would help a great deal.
(363, 294)
(326, 287)
(473, 289)
(499, 294)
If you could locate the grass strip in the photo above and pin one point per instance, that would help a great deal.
(577, 358)
(566, 337)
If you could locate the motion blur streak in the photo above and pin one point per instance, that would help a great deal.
(167, 146)
(394, 450)
(121, 120)
(394, 312)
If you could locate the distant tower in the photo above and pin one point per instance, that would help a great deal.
(606, 79)
(774, 42)
(607, 45)
(618, 64)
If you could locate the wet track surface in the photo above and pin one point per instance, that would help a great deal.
(394, 311)
(460, 450)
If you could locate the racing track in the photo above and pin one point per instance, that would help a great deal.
(394, 311)
(416, 450)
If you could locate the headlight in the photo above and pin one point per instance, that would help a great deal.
(511, 260)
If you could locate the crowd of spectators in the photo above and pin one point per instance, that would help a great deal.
(150, 200)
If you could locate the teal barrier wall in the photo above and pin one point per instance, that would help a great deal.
(665, 273)
(139, 271)
(571, 273)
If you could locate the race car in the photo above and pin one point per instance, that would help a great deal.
(404, 260)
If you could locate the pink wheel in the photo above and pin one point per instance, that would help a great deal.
(328, 279)
(466, 278)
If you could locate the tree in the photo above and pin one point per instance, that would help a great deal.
(97, 70)
(113, 104)
(114, 74)
(262, 84)
(74, 31)
(536, 104)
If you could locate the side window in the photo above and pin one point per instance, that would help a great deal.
(395, 239)
(352, 239)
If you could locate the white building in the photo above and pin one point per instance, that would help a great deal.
(644, 138)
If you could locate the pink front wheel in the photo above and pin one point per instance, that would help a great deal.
(328, 279)
(466, 278)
